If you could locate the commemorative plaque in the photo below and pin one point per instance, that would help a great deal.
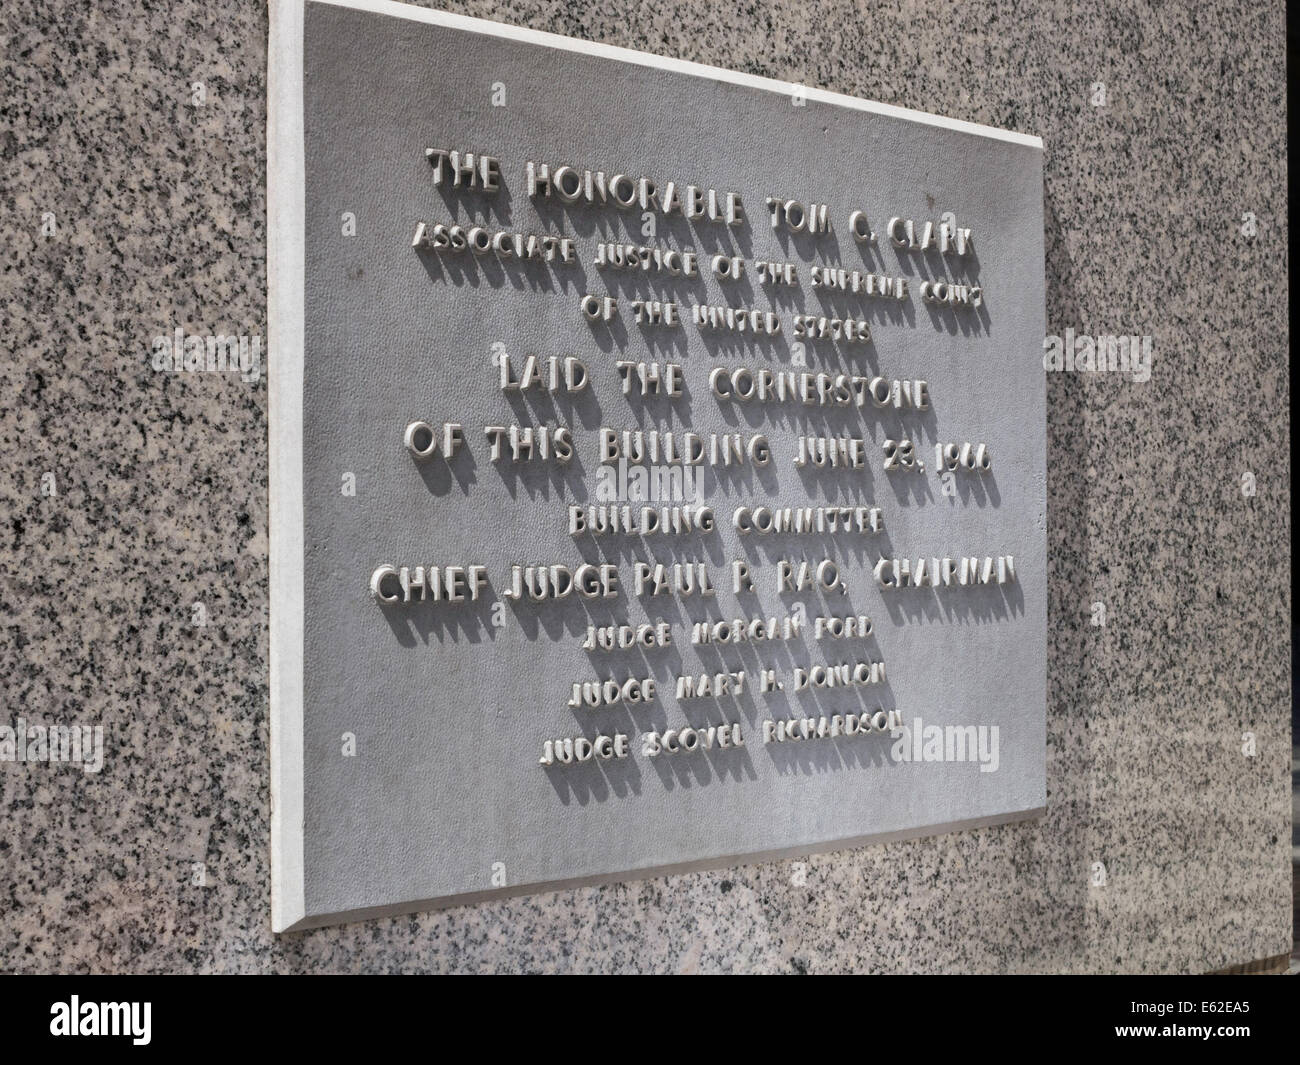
(657, 465)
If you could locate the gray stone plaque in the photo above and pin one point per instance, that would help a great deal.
(737, 383)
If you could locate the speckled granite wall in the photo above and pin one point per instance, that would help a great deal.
(158, 501)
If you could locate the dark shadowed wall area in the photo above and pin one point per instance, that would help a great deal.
(130, 209)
